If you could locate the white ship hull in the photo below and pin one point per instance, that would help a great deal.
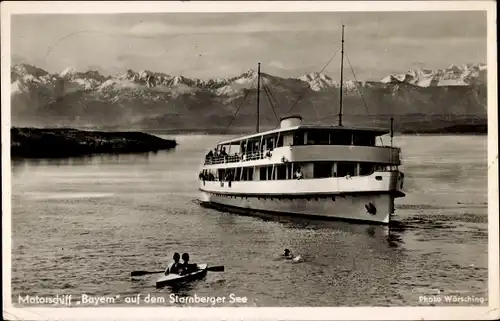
(361, 199)
(344, 207)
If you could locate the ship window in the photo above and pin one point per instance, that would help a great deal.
(344, 168)
(361, 139)
(281, 171)
(311, 138)
(242, 147)
(298, 138)
(280, 141)
(366, 168)
(322, 138)
(250, 173)
(237, 173)
(322, 170)
(220, 174)
(317, 137)
(340, 138)
(230, 174)
(290, 170)
(263, 173)
(269, 141)
(269, 172)
(265, 144)
(253, 146)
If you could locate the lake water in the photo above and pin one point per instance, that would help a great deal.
(80, 226)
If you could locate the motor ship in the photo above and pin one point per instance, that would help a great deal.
(335, 171)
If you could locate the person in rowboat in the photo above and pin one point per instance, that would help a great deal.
(174, 267)
(291, 258)
(186, 267)
(288, 254)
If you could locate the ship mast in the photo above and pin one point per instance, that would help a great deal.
(258, 95)
(341, 76)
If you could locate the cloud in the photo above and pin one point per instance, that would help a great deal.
(227, 26)
(222, 44)
(367, 24)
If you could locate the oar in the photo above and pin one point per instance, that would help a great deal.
(216, 268)
(139, 273)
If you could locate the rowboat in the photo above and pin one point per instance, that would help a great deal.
(294, 259)
(173, 279)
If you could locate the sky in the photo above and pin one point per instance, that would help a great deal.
(213, 45)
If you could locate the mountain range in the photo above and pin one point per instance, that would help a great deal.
(147, 100)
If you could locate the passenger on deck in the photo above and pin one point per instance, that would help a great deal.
(298, 174)
(186, 266)
(175, 266)
(223, 152)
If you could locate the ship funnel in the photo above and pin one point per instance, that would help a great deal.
(290, 121)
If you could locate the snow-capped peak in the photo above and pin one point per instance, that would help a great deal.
(70, 80)
(454, 67)
(454, 75)
(246, 77)
(315, 75)
(129, 74)
(466, 67)
(319, 81)
(69, 71)
(26, 69)
(249, 74)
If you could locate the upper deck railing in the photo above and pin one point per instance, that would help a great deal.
(249, 156)
(222, 159)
